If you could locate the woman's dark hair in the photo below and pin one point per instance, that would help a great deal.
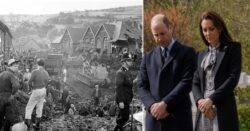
(218, 22)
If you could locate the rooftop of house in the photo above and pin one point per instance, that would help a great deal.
(125, 29)
(4, 28)
(57, 39)
(76, 33)
(110, 29)
(118, 30)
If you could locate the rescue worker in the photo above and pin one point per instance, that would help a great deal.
(9, 85)
(26, 77)
(38, 82)
(65, 95)
(124, 93)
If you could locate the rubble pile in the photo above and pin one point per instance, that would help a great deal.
(87, 115)
(78, 123)
(17, 106)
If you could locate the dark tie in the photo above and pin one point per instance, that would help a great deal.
(164, 55)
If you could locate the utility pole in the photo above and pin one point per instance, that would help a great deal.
(4, 46)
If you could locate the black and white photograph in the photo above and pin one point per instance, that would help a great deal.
(70, 65)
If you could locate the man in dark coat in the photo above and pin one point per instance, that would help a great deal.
(9, 85)
(165, 80)
(124, 93)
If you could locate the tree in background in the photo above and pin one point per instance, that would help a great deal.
(184, 15)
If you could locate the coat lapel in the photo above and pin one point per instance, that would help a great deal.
(158, 57)
(201, 71)
(157, 67)
(172, 54)
(202, 56)
(219, 58)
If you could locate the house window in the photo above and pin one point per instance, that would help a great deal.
(106, 45)
(99, 43)
(105, 38)
(91, 41)
(86, 41)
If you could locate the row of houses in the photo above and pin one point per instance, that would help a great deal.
(5, 41)
(103, 38)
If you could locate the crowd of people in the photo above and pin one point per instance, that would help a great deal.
(28, 84)
(167, 75)
(33, 87)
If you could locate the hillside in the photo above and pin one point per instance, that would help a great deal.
(44, 29)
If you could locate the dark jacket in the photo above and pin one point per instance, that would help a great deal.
(9, 83)
(39, 78)
(124, 84)
(65, 94)
(170, 83)
(227, 73)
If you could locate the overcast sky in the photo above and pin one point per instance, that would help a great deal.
(56, 6)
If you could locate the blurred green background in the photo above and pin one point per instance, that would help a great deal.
(184, 14)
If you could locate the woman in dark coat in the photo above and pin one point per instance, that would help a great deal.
(217, 74)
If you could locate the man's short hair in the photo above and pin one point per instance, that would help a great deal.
(161, 18)
(40, 62)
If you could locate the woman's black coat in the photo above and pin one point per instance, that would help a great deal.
(227, 73)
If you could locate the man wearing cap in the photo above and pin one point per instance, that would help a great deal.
(165, 80)
(37, 82)
(124, 93)
(9, 85)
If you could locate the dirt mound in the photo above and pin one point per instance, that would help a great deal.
(79, 123)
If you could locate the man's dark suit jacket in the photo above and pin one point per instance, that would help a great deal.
(170, 83)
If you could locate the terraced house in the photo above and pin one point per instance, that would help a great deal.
(89, 38)
(70, 41)
(103, 38)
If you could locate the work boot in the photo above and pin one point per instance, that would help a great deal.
(28, 123)
(37, 123)
(118, 128)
